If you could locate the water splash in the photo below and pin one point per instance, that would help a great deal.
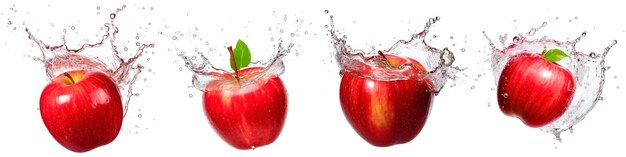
(437, 62)
(100, 56)
(588, 70)
(205, 71)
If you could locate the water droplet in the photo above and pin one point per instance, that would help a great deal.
(253, 147)
(293, 34)
(98, 8)
(505, 95)
(281, 31)
(139, 116)
(592, 54)
(297, 54)
(112, 16)
(190, 95)
(463, 50)
(434, 36)
(180, 69)
(174, 37)
(326, 11)
(325, 26)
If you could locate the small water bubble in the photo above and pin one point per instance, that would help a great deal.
(326, 11)
(306, 32)
(282, 31)
(293, 34)
(180, 69)
(462, 49)
(434, 36)
(174, 37)
(592, 54)
(139, 115)
(98, 8)
(473, 87)
(505, 95)
(272, 39)
(190, 95)
(297, 54)
(325, 26)
(137, 44)
(125, 48)
(112, 16)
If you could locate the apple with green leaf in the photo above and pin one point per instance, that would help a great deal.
(535, 88)
(249, 115)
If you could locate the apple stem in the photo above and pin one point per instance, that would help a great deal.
(232, 57)
(70, 77)
(384, 58)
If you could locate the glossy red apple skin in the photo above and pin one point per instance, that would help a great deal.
(534, 90)
(247, 117)
(84, 115)
(385, 113)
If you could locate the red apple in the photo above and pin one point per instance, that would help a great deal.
(250, 116)
(534, 89)
(386, 112)
(82, 110)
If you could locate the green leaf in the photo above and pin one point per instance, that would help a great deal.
(554, 55)
(242, 55)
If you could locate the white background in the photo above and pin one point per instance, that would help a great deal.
(173, 123)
